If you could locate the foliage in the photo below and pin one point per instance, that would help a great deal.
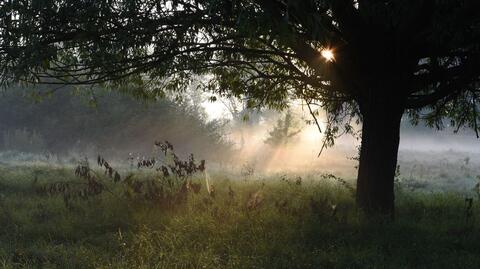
(180, 169)
(23, 140)
(247, 170)
(65, 122)
(284, 131)
(396, 57)
(265, 50)
(166, 189)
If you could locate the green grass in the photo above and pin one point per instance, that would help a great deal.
(112, 231)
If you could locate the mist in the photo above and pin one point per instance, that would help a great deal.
(68, 126)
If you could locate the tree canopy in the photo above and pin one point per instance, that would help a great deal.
(266, 49)
(368, 60)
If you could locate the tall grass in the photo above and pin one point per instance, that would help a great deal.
(306, 223)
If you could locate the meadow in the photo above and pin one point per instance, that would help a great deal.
(240, 221)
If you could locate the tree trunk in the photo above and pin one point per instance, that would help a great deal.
(378, 154)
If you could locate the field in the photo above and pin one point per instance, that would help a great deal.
(251, 221)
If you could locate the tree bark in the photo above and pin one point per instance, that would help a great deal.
(378, 154)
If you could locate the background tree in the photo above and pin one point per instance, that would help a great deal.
(242, 116)
(283, 132)
(356, 59)
(113, 126)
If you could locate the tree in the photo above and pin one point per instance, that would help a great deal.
(115, 126)
(242, 116)
(369, 60)
(282, 132)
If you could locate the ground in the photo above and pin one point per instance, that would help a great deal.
(275, 221)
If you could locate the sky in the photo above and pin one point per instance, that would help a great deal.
(215, 110)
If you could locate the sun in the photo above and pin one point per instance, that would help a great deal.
(328, 55)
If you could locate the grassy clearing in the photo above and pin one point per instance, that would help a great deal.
(309, 225)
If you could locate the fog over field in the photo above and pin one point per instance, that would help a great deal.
(240, 134)
(123, 128)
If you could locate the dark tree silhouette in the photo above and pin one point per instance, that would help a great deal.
(390, 58)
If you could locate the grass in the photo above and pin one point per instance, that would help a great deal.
(287, 229)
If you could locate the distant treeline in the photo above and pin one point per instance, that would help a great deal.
(69, 121)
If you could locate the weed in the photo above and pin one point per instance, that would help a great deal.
(147, 220)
